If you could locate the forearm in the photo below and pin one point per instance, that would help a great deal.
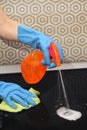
(8, 27)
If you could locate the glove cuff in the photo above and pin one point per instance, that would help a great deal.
(28, 36)
(6, 88)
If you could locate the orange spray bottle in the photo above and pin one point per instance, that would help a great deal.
(31, 67)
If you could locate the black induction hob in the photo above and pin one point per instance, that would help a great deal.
(43, 116)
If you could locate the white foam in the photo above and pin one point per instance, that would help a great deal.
(69, 114)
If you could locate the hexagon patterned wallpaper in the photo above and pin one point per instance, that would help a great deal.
(63, 20)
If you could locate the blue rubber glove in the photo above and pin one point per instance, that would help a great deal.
(10, 92)
(38, 40)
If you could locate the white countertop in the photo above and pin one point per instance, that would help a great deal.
(5, 69)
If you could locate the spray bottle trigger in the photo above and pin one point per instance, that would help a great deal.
(54, 54)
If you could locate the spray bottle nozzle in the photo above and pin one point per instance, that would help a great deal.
(54, 54)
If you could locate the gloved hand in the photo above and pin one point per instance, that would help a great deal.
(38, 40)
(10, 92)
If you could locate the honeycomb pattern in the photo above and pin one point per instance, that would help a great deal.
(63, 20)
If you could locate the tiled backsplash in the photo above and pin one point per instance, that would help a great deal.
(63, 20)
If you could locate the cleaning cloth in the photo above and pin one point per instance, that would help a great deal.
(5, 107)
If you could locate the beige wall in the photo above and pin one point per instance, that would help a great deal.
(63, 20)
